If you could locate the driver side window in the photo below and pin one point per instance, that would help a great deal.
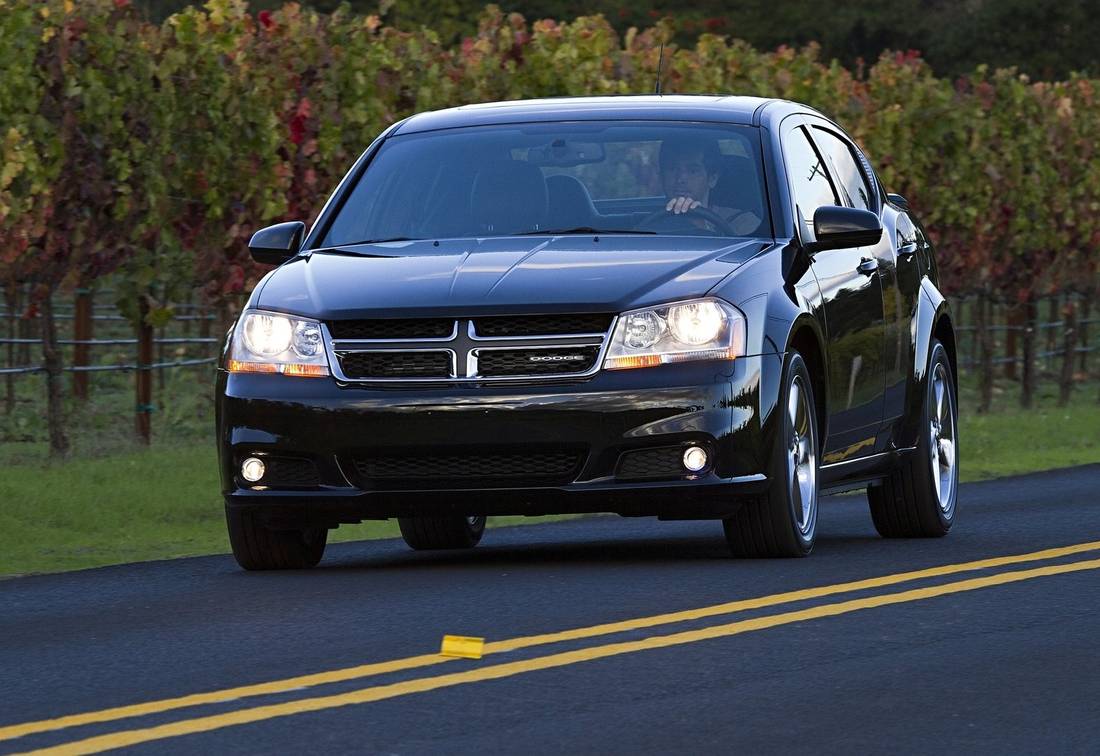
(808, 177)
(850, 176)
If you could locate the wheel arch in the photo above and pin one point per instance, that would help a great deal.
(805, 337)
(944, 332)
(933, 321)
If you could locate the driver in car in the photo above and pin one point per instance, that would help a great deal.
(689, 171)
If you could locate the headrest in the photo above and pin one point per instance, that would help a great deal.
(509, 196)
(570, 203)
(738, 186)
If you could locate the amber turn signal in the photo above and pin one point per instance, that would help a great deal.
(301, 371)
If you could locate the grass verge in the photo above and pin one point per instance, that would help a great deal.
(163, 502)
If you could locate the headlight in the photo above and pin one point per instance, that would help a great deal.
(267, 342)
(701, 329)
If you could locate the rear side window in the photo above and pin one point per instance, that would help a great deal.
(807, 175)
(850, 177)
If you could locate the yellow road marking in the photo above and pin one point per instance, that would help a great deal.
(127, 738)
(426, 660)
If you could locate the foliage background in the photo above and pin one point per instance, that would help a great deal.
(1043, 38)
(151, 149)
(188, 135)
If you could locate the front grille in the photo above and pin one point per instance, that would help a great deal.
(500, 347)
(412, 470)
(407, 328)
(539, 325)
(648, 464)
(510, 362)
(360, 365)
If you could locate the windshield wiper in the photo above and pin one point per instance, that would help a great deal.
(583, 230)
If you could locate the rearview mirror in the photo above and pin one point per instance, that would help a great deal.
(277, 244)
(836, 227)
(562, 154)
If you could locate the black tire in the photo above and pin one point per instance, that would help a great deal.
(769, 526)
(445, 532)
(908, 503)
(257, 547)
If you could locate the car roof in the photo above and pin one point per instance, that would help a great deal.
(713, 108)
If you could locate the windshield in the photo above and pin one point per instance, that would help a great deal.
(666, 178)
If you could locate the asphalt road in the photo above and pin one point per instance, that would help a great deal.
(999, 656)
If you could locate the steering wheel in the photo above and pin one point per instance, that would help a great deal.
(655, 219)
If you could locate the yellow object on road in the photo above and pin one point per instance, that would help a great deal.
(462, 646)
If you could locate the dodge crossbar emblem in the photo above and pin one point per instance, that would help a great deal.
(556, 358)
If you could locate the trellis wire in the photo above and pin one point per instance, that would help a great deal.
(114, 342)
(108, 368)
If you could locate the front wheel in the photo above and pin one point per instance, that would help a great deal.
(783, 523)
(258, 547)
(446, 532)
(918, 499)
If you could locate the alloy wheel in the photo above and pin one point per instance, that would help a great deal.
(943, 453)
(801, 458)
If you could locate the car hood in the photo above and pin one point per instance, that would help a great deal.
(498, 275)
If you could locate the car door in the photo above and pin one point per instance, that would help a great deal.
(898, 272)
(852, 305)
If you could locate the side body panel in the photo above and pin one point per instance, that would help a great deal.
(852, 304)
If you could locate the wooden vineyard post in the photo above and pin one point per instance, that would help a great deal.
(1028, 342)
(984, 308)
(1014, 319)
(13, 302)
(1053, 310)
(53, 362)
(82, 331)
(143, 378)
(29, 329)
(975, 318)
(1069, 343)
(160, 358)
(1083, 333)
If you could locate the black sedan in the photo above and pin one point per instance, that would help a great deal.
(681, 307)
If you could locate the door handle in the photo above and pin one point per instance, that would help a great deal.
(867, 266)
(907, 249)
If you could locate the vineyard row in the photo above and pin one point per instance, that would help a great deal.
(150, 153)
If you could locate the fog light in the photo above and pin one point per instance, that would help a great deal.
(695, 458)
(252, 469)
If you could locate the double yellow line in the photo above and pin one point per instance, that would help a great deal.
(207, 723)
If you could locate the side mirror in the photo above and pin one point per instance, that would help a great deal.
(277, 244)
(836, 227)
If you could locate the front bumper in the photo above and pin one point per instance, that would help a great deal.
(341, 430)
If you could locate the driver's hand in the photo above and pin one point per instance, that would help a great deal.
(679, 205)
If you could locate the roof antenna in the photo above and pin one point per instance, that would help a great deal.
(660, 61)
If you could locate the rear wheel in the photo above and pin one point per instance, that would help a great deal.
(446, 532)
(918, 499)
(257, 547)
(783, 523)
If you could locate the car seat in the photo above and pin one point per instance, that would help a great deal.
(739, 187)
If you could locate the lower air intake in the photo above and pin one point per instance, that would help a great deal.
(664, 463)
(481, 469)
(288, 472)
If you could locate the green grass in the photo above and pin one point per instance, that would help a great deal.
(153, 504)
(1012, 441)
(114, 503)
